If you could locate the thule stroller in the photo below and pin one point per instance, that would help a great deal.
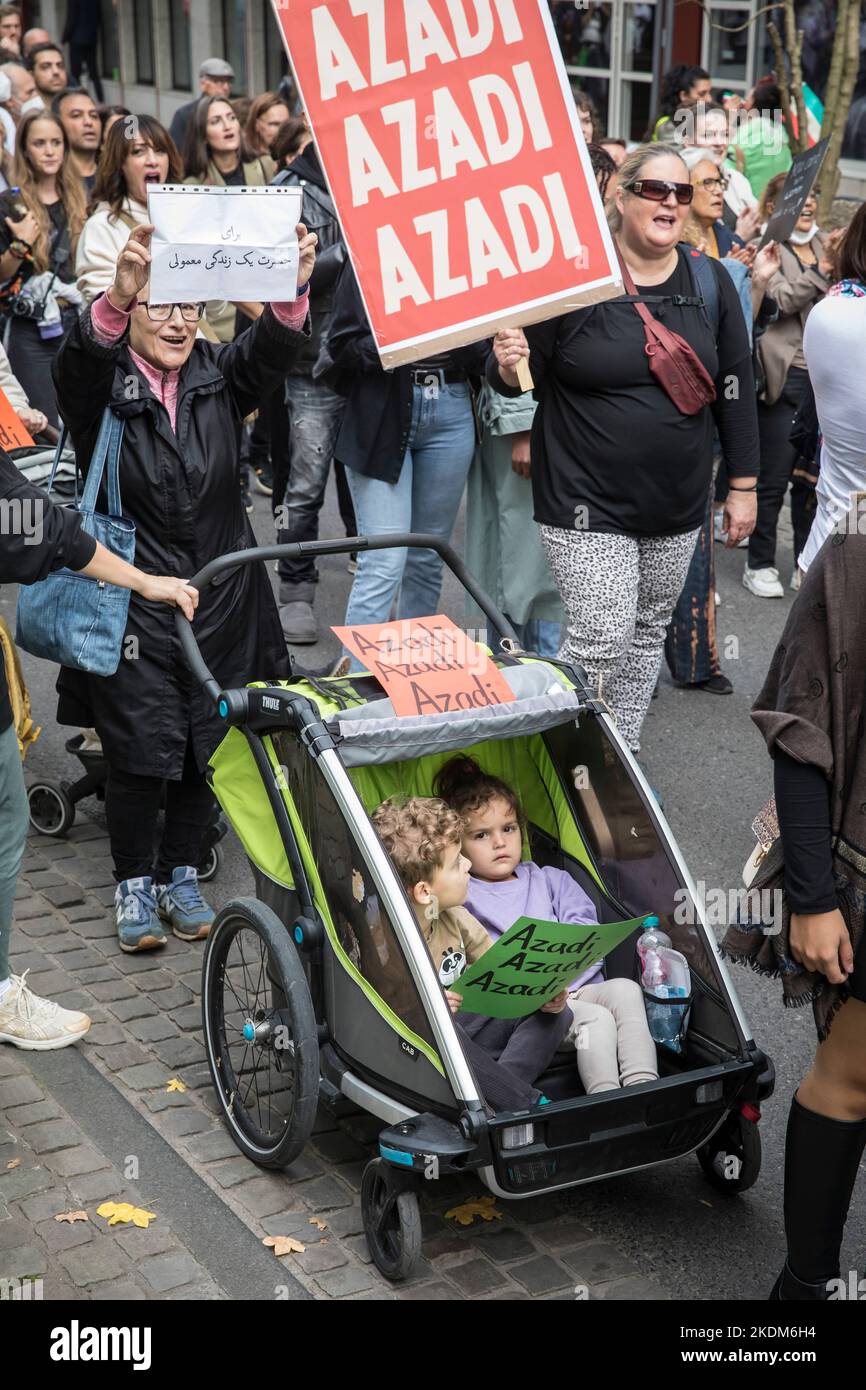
(321, 985)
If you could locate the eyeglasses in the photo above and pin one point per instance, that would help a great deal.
(161, 313)
(656, 190)
(711, 184)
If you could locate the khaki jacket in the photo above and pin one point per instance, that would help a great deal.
(454, 939)
(796, 289)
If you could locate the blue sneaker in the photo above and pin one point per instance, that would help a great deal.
(182, 906)
(138, 926)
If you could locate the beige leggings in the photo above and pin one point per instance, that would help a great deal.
(611, 1036)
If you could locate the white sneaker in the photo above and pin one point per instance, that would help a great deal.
(796, 578)
(765, 583)
(39, 1025)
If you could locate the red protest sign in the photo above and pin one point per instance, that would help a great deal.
(427, 665)
(13, 435)
(449, 138)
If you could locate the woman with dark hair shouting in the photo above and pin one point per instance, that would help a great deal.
(127, 167)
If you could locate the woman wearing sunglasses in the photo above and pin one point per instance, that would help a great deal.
(620, 476)
(182, 400)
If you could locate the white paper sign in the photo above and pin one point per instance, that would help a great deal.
(223, 243)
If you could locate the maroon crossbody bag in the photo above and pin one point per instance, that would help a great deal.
(673, 362)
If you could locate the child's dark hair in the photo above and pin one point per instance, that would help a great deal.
(466, 788)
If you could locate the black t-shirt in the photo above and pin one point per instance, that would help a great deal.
(610, 450)
(59, 252)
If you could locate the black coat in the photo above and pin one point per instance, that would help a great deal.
(83, 20)
(183, 493)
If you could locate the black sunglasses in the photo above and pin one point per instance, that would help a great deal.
(656, 190)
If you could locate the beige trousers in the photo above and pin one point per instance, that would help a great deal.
(611, 1036)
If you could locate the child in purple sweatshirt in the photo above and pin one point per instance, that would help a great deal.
(610, 1032)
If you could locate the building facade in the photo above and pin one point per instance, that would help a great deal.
(617, 51)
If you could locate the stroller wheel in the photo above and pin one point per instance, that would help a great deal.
(260, 1033)
(51, 811)
(211, 864)
(392, 1221)
(732, 1159)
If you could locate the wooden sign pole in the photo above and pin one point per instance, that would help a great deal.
(524, 375)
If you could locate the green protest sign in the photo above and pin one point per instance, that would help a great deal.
(533, 961)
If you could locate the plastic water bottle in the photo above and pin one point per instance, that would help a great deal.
(665, 975)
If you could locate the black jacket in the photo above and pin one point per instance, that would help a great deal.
(182, 491)
(83, 19)
(318, 215)
(378, 415)
(180, 122)
(35, 538)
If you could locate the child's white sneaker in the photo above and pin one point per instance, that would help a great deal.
(36, 1024)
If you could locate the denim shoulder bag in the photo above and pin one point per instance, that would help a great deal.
(68, 617)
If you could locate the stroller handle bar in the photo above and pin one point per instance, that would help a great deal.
(351, 544)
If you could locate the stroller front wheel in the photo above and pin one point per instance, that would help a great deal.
(732, 1159)
(260, 1033)
(51, 811)
(392, 1221)
(211, 864)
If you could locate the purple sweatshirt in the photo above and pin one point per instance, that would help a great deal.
(550, 894)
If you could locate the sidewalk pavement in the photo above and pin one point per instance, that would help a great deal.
(146, 1031)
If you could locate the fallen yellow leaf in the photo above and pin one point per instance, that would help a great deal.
(175, 1085)
(465, 1213)
(13, 1163)
(72, 1216)
(123, 1212)
(319, 1225)
(284, 1245)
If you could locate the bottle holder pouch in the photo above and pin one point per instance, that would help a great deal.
(668, 1019)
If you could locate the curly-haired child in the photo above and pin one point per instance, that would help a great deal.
(423, 837)
(611, 1035)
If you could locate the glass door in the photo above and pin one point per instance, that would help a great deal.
(611, 51)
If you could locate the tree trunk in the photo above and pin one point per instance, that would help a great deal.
(795, 49)
(849, 33)
(834, 78)
(781, 76)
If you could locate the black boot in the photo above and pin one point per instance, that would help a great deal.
(821, 1161)
(788, 1288)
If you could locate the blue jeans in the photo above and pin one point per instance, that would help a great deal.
(315, 412)
(539, 635)
(14, 819)
(426, 497)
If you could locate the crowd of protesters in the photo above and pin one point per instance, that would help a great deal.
(612, 496)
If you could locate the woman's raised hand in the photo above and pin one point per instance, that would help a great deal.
(25, 229)
(766, 263)
(132, 271)
(307, 242)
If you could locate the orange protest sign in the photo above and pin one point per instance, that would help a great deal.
(427, 665)
(13, 435)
